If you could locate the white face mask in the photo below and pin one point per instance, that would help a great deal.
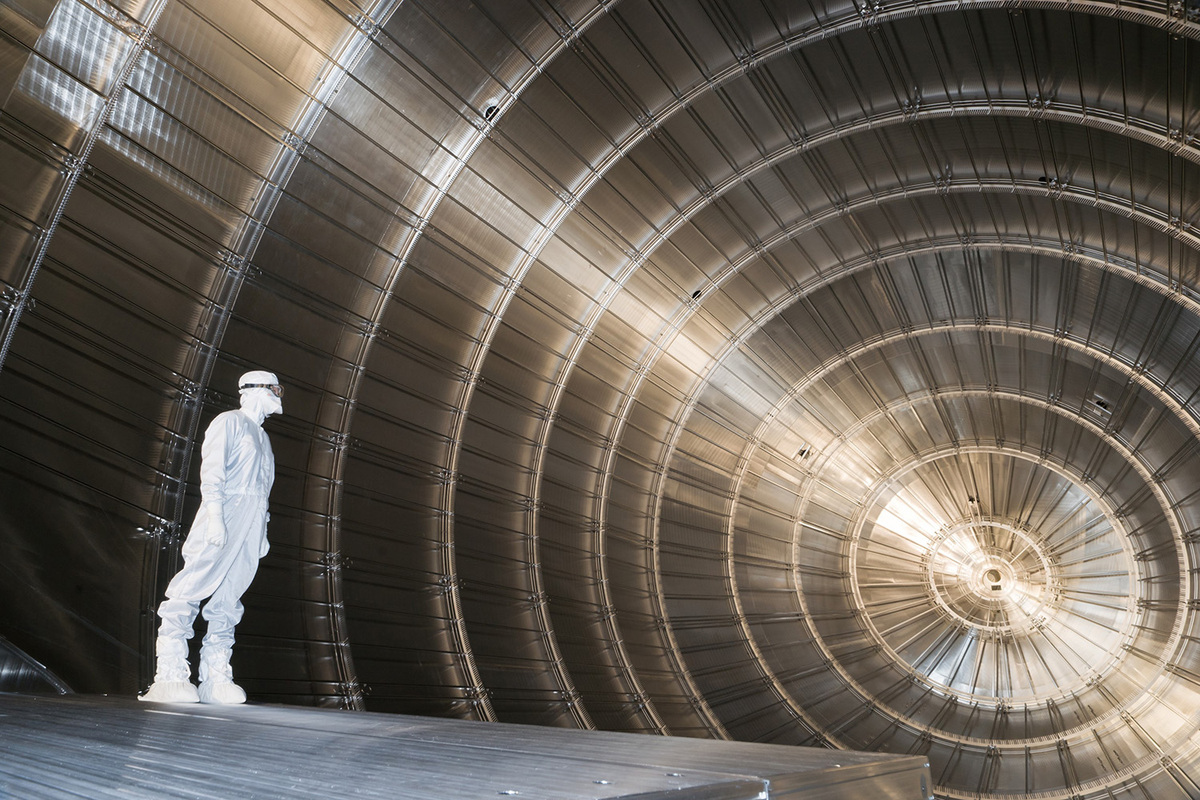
(262, 400)
(273, 403)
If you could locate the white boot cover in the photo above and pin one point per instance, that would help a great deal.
(216, 678)
(172, 676)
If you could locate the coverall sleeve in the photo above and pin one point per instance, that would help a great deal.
(214, 458)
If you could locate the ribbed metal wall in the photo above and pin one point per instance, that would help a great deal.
(814, 373)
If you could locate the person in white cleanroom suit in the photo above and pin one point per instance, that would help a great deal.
(222, 550)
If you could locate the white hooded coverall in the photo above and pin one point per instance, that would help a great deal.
(236, 474)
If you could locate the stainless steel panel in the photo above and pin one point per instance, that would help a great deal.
(13, 55)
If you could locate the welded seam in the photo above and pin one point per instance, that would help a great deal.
(340, 67)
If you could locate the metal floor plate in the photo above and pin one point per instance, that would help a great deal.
(102, 747)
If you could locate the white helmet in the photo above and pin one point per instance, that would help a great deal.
(258, 378)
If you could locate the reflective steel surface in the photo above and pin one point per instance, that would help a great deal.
(794, 372)
(115, 747)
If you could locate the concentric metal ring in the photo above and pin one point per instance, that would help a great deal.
(987, 607)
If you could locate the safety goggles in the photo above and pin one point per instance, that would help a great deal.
(275, 388)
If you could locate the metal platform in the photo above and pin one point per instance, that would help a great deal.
(100, 747)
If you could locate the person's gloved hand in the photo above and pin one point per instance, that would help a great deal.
(265, 546)
(216, 525)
